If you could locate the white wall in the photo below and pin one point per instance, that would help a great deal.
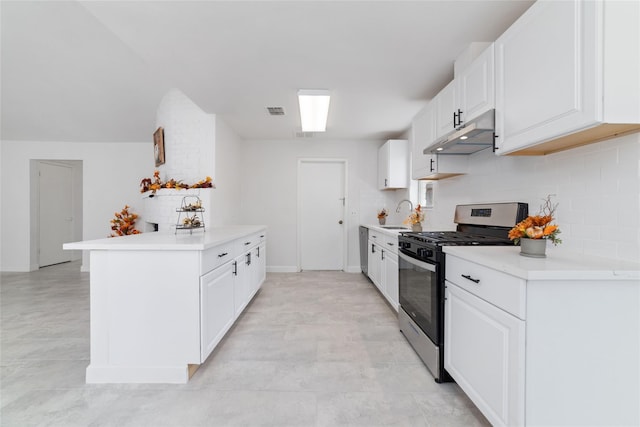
(189, 139)
(229, 168)
(597, 188)
(111, 174)
(269, 192)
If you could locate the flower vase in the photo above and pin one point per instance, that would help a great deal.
(534, 248)
(382, 221)
(416, 227)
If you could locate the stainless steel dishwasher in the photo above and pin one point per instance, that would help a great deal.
(364, 250)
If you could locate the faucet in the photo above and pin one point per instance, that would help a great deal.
(402, 201)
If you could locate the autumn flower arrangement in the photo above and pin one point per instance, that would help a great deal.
(538, 226)
(382, 214)
(124, 223)
(415, 217)
(154, 184)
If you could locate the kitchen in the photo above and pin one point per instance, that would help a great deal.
(602, 173)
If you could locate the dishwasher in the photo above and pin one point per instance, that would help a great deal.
(364, 250)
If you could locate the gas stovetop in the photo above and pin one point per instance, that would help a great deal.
(454, 238)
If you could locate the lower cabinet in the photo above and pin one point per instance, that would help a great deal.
(391, 278)
(485, 355)
(216, 307)
(383, 270)
(242, 282)
(226, 290)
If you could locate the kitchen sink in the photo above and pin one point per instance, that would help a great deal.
(393, 227)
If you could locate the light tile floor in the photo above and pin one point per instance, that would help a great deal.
(312, 349)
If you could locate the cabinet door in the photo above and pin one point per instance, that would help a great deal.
(476, 85)
(446, 106)
(260, 265)
(546, 74)
(391, 278)
(423, 134)
(484, 353)
(383, 166)
(217, 311)
(393, 164)
(373, 261)
(242, 282)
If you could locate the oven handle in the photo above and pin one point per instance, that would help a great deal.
(421, 264)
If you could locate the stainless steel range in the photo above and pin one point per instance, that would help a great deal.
(422, 273)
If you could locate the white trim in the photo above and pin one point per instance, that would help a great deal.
(282, 269)
(345, 220)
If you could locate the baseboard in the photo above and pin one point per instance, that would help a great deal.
(354, 269)
(281, 269)
(84, 268)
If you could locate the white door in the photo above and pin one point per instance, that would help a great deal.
(321, 214)
(55, 212)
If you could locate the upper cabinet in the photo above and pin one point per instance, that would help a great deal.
(393, 165)
(476, 87)
(471, 93)
(446, 103)
(567, 75)
(423, 131)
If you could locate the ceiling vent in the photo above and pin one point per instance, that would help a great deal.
(304, 134)
(275, 111)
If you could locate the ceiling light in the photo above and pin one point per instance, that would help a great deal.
(314, 108)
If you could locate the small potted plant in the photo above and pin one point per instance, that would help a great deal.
(415, 219)
(382, 216)
(533, 232)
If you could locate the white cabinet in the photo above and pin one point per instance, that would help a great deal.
(522, 336)
(446, 109)
(374, 263)
(260, 266)
(393, 164)
(391, 278)
(476, 87)
(216, 307)
(423, 133)
(383, 265)
(445, 166)
(484, 353)
(470, 94)
(567, 75)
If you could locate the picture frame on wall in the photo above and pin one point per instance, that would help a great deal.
(158, 146)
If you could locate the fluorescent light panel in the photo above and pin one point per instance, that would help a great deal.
(314, 108)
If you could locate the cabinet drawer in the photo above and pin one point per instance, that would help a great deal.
(390, 243)
(376, 236)
(245, 243)
(500, 289)
(216, 256)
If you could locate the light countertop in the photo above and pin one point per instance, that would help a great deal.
(560, 263)
(394, 232)
(162, 241)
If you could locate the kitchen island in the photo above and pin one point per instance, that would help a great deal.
(160, 302)
(544, 341)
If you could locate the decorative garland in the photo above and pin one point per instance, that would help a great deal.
(148, 184)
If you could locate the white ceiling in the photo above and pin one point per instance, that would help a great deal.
(96, 70)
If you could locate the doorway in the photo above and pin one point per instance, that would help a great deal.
(322, 228)
(59, 210)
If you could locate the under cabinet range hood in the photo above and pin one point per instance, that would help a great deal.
(474, 136)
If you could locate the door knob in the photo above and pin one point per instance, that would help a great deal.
(340, 222)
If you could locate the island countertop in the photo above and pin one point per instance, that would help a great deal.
(560, 263)
(162, 241)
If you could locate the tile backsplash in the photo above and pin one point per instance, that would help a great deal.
(597, 187)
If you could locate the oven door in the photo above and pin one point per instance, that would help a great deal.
(420, 294)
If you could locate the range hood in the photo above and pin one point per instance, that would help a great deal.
(476, 135)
